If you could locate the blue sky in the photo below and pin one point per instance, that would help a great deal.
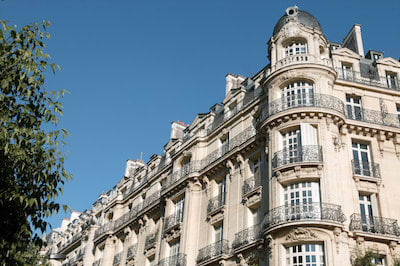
(133, 67)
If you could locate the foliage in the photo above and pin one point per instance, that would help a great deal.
(364, 259)
(32, 170)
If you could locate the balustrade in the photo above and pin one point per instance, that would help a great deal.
(304, 211)
(247, 236)
(303, 154)
(250, 184)
(173, 220)
(214, 250)
(175, 260)
(131, 251)
(117, 258)
(373, 224)
(368, 169)
(216, 203)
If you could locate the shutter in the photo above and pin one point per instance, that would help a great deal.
(280, 140)
(308, 134)
(315, 192)
(374, 205)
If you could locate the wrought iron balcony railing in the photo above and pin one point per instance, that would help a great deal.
(105, 228)
(250, 184)
(373, 116)
(371, 79)
(363, 168)
(303, 100)
(150, 240)
(214, 250)
(180, 173)
(247, 236)
(131, 251)
(373, 224)
(117, 258)
(175, 260)
(97, 263)
(303, 212)
(216, 203)
(303, 154)
(173, 220)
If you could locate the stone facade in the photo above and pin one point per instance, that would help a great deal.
(297, 166)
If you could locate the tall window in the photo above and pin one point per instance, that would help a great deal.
(302, 201)
(218, 233)
(175, 248)
(391, 80)
(353, 105)
(398, 112)
(367, 217)
(295, 48)
(225, 144)
(347, 71)
(256, 169)
(222, 190)
(300, 93)
(305, 254)
(291, 143)
(179, 207)
(362, 158)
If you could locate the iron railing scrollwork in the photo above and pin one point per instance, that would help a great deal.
(216, 203)
(214, 250)
(174, 219)
(150, 240)
(373, 116)
(175, 260)
(304, 211)
(371, 79)
(247, 236)
(373, 224)
(117, 258)
(303, 100)
(131, 251)
(363, 168)
(303, 154)
(250, 184)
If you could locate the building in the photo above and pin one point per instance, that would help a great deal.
(297, 166)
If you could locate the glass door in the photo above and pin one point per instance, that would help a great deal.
(302, 201)
(299, 93)
(367, 218)
(362, 158)
(353, 106)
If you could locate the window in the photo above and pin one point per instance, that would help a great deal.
(295, 48)
(362, 159)
(218, 233)
(302, 201)
(391, 80)
(298, 93)
(222, 190)
(353, 106)
(256, 166)
(367, 217)
(175, 248)
(347, 71)
(291, 142)
(379, 261)
(225, 143)
(178, 208)
(252, 217)
(306, 254)
(398, 112)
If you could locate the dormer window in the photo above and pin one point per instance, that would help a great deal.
(295, 48)
(391, 80)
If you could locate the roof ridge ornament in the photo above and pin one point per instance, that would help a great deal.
(292, 11)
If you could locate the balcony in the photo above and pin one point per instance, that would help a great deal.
(250, 184)
(370, 79)
(298, 59)
(117, 258)
(374, 225)
(213, 251)
(181, 173)
(97, 263)
(173, 220)
(215, 203)
(373, 116)
(251, 192)
(366, 169)
(247, 236)
(176, 260)
(315, 211)
(303, 154)
(131, 252)
(150, 245)
(303, 100)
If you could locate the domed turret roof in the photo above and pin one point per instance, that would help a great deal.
(300, 16)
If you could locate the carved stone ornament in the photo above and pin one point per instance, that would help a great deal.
(299, 234)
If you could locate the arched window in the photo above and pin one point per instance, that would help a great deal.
(295, 48)
(300, 93)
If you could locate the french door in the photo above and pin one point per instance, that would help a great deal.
(298, 93)
(302, 201)
(362, 159)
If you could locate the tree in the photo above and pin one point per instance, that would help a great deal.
(32, 170)
(366, 258)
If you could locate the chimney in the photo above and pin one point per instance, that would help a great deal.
(131, 166)
(232, 82)
(177, 129)
(353, 40)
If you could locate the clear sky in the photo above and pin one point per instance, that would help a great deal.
(133, 67)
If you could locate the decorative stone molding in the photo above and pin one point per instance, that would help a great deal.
(216, 217)
(242, 261)
(173, 233)
(300, 234)
(252, 200)
(269, 241)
